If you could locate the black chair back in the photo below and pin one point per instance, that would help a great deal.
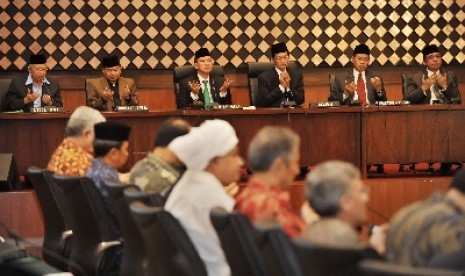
(4, 85)
(253, 70)
(56, 246)
(169, 248)
(185, 71)
(316, 260)
(238, 238)
(382, 268)
(95, 236)
(276, 247)
(134, 257)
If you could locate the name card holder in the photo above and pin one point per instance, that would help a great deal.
(325, 104)
(46, 109)
(132, 108)
(226, 106)
(392, 103)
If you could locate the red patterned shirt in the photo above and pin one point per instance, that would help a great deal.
(270, 204)
(70, 159)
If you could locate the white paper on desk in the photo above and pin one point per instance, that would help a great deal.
(249, 107)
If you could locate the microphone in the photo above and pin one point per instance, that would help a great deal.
(455, 100)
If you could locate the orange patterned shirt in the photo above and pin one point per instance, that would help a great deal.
(270, 204)
(70, 159)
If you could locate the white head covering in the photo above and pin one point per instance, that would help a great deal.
(211, 139)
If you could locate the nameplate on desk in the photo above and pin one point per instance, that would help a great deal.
(132, 108)
(392, 103)
(46, 109)
(226, 106)
(325, 104)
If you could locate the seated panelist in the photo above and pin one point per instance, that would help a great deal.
(111, 90)
(433, 84)
(279, 84)
(35, 89)
(202, 88)
(358, 83)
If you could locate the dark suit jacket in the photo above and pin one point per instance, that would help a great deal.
(95, 89)
(184, 99)
(416, 96)
(337, 88)
(269, 94)
(18, 90)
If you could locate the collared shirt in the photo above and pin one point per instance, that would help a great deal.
(280, 86)
(192, 199)
(270, 204)
(70, 159)
(356, 74)
(202, 87)
(432, 87)
(38, 89)
(153, 173)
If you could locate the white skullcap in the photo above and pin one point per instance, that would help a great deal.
(211, 139)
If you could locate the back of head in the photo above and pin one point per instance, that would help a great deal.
(169, 130)
(269, 144)
(83, 118)
(326, 183)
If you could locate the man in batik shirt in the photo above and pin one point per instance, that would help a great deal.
(274, 157)
(73, 156)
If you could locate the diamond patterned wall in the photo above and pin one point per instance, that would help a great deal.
(162, 34)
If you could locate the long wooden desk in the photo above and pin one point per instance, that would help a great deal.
(373, 135)
(413, 134)
(325, 133)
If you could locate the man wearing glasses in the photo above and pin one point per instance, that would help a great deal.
(280, 85)
(432, 85)
(111, 90)
(35, 89)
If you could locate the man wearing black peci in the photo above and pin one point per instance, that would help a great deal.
(111, 90)
(433, 84)
(203, 88)
(280, 85)
(35, 89)
(358, 83)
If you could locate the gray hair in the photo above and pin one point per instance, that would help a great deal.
(326, 183)
(269, 144)
(83, 118)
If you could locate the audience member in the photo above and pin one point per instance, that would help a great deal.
(203, 88)
(359, 83)
(433, 84)
(200, 188)
(429, 229)
(111, 153)
(274, 157)
(35, 89)
(337, 194)
(74, 155)
(161, 169)
(111, 90)
(281, 84)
